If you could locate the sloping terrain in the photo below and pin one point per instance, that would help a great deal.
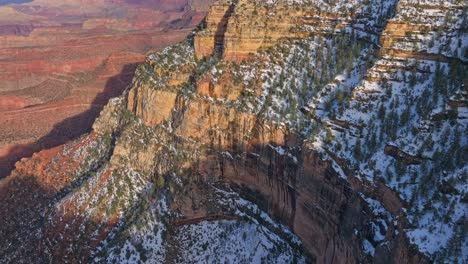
(60, 61)
(312, 131)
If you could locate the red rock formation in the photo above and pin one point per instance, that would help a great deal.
(59, 66)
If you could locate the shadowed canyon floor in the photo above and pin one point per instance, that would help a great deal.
(61, 61)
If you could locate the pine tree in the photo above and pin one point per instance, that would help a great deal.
(328, 137)
(357, 149)
(382, 112)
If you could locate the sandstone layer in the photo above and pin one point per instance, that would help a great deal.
(59, 66)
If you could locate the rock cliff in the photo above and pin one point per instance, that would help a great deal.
(53, 76)
(312, 121)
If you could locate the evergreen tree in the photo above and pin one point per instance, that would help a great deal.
(357, 149)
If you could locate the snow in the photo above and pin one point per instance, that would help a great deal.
(236, 242)
(243, 240)
(371, 101)
(368, 248)
(411, 104)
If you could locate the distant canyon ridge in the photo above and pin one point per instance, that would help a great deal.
(61, 61)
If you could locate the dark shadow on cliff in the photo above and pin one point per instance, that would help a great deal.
(21, 202)
(34, 230)
(73, 127)
(222, 28)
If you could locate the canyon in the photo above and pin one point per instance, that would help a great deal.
(61, 61)
(288, 131)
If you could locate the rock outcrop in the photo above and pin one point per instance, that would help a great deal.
(52, 75)
(236, 29)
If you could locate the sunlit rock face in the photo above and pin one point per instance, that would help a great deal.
(61, 61)
(317, 132)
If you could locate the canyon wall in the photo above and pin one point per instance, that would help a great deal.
(60, 66)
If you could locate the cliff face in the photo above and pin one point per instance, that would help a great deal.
(315, 116)
(54, 77)
(236, 29)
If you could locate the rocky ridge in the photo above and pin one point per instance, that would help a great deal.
(54, 81)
